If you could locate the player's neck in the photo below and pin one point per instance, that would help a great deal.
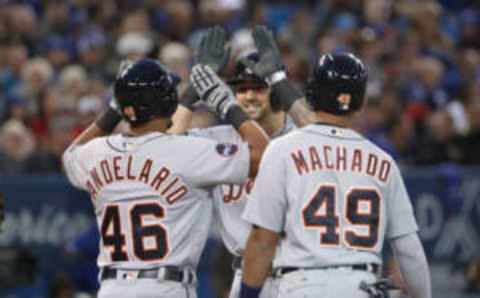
(272, 122)
(343, 121)
(156, 125)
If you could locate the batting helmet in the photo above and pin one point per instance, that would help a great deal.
(146, 90)
(244, 76)
(337, 85)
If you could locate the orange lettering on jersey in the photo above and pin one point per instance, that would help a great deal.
(341, 158)
(328, 165)
(107, 174)
(129, 169)
(357, 161)
(314, 159)
(231, 192)
(177, 194)
(372, 164)
(116, 168)
(299, 162)
(145, 173)
(91, 190)
(169, 186)
(96, 179)
(384, 170)
(160, 177)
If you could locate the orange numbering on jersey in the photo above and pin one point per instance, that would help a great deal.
(369, 218)
(115, 238)
(320, 212)
(140, 232)
(112, 235)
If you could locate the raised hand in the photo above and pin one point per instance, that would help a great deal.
(270, 59)
(212, 89)
(212, 50)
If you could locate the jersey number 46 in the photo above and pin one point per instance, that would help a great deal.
(320, 212)
(112, 235)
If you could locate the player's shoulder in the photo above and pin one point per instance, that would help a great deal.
(374, 148)
(222, 133)
(288, 139)
(94, 145)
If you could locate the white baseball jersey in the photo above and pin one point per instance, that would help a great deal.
(333, 194)
(230, 199)
(151, 194)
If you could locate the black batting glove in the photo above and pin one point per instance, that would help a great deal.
(270, 66)
(212, 50)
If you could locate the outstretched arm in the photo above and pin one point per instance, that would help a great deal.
(221, 100)
(211, 52)
(258, 258)
(182, 118)
(103, 125)
(413, 264)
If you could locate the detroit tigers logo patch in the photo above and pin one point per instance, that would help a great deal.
(226, 149)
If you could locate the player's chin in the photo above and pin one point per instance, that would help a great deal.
(253, 112)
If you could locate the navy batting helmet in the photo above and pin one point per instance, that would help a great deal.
(146, 90)
(337, 85)
(244, 75)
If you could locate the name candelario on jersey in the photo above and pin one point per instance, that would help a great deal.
(339, 158)
(120, 168)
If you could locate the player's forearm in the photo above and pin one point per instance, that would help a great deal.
(103, 125)
(413, 265)
(181, 120)
(300, 113)
(91, 132)
(257, 139)
(258, 257)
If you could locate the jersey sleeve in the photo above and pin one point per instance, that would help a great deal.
(400, 217)
(221, 133)
(267, 203)
(72, 164)
(217, 163)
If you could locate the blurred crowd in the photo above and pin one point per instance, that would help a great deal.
(58, 59)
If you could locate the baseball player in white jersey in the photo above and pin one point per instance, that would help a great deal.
(264, 104)
(149, 189)
(334, 197)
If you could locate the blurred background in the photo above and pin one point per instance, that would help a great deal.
(58, 60)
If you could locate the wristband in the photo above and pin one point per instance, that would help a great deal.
(236, 116)
(108, 120)
(285, 93)
(249, 292)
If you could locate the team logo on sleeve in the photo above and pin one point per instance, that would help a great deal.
(226, 149)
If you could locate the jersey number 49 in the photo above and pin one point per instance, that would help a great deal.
(320, 212)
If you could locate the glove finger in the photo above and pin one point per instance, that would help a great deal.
(226, 57)
(218, 38)
(259, 36)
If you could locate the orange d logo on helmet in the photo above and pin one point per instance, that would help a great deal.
(344, 101)
(130, 113)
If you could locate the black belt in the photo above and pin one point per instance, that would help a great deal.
(237, 262)
(169, 273)
(371, 267)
